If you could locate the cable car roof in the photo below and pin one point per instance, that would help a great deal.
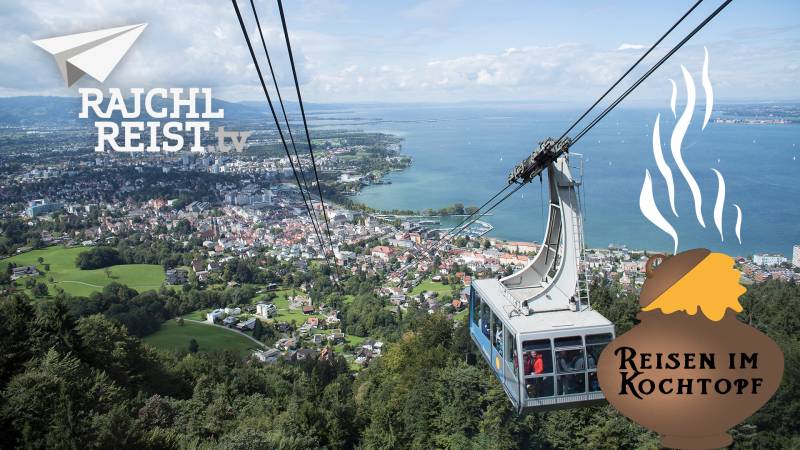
(496, 296)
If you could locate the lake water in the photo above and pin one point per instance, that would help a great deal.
(464, 153)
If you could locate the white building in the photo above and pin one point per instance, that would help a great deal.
(765, 259)
(267, 356)
(796, 256)
(215, 315)
(266, 309)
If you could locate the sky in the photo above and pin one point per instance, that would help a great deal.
(415, 51)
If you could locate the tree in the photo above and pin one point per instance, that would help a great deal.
(97, 258)
(193, 346)
(40, 290)
(258, 330)
(16, 318)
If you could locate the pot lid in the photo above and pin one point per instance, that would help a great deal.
(666, 274)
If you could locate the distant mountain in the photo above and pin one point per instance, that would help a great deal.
(63, 111)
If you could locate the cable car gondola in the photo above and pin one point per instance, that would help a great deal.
(536, 328)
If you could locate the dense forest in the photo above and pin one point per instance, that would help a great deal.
(72, 376)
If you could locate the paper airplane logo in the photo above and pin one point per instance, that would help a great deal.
(95, 52)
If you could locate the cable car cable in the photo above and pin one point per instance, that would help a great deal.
(630, 89)
(437, 244)
(444, 238)
(641, 58)
(610, 107)
(314, 220)
(476, 211)
(585, 113)
(652, 69)
(305, 122)
(272, 109)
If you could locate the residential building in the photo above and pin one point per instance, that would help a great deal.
(766, 259)
(176, 276)
(41, 207)
(215, 315)
(270, 355)
(248, 324)
(266, 310)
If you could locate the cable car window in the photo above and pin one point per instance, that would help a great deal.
(484, 319)
(539, 387)
(476, 305)
(570, 361)
(595, 343)
(511, 356)
(571, 384)
(572, 341)
(537, 357)
(497, 334)
(594, 384)
(603, 338)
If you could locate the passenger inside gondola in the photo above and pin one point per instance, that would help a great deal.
(537, 357)
(484, 327)
(594, 384)
(571, 364)
(595, 343)
(590, 361)
(539, 387)
(484, 321)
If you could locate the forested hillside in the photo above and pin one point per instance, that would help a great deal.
(72, 380)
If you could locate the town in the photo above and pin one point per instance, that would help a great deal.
(215, 212)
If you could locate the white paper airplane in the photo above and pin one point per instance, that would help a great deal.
(95, 52)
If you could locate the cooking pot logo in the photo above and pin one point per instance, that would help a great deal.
(690, 370)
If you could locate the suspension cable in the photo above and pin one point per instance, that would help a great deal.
(652, 69)
(305, 122)
(605, 112)
(476, 211)
(641, 79)
(283, 110)
(275, 117)
(619, 80)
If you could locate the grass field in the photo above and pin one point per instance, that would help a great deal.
(173, 337)
(429, 285)
(200, 314)
(284, 313)
(141, 277)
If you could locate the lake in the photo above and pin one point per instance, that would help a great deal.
(463, 153)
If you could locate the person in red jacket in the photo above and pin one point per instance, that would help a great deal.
(538, 363)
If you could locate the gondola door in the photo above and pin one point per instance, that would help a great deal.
(511, 365)
(496, 339)
(480, 324)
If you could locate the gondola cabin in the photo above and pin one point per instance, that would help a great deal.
(544, 360)
(536, 327)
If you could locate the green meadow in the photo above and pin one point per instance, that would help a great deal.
(430, 285)
(210, 338)
(285, 314)
(72, 280)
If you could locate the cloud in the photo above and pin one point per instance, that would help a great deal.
(199, 43)
(626, 46)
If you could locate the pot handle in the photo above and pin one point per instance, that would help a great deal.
(649, 267)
